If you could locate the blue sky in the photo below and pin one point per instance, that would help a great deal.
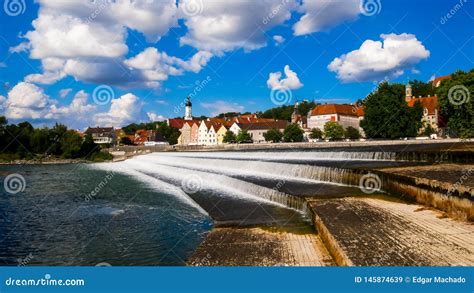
(155, 53)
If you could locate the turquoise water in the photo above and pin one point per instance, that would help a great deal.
(125, 223)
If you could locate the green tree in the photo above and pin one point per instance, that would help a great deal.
(243, 136)
(70, 144)
(229, 137)
(169, 133)
(333, 130)
(428, 131)
(420, 88)
(456, 100)
(293, 133)
(273, 135)
(387, 115)
(89, 147)
(316, 133)
(352, 133)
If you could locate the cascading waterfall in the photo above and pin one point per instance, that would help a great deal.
(292, 155)
(150, 169)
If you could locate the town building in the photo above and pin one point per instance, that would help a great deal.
(102, 135)
(430, 107)
(344, 114)
(257, 130)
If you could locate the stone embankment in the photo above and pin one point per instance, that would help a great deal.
(375, 232)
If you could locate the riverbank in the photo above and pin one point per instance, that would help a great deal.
(46, 162)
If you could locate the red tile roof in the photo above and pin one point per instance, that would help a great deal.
(429, 103)
(176, 122)
(437, 80)
(278, 124)
(341, 109)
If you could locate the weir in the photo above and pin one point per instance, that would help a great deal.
(262, 176)
(248, 192)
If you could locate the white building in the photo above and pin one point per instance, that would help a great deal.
(344, 114)
(207, 133)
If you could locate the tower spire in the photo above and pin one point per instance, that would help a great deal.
(188, 114)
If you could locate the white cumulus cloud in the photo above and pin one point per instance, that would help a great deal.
(222, 26)
(124, 110)
(377, 60)
(153, 117)
(291, 80)
(321, 15)
(278, 39)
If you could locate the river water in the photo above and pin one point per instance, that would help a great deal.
(156, 209)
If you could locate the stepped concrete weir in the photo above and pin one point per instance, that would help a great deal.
(308, 206)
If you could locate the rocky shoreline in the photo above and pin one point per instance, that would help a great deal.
(46, 162)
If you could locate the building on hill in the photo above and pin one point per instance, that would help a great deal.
(344, 114)
(430, 108)
(102, 135)
(298, 118)
(436, 82)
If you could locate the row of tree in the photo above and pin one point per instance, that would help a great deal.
(23, 141)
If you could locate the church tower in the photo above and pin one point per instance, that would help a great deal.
(295, 115)
(188, 115)
(408, 93)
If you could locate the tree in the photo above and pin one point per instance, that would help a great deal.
(316, 133)
(333, 130)
(352, 133)
(429, 130)
(243, 136)
(169, 133)
(420, 88)
(273, 135)
(387, 115)
(284, 112)
(228, 115)
(229, 137)
(70, 144)
(293, 133)
(88, 146)
(456, 100)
